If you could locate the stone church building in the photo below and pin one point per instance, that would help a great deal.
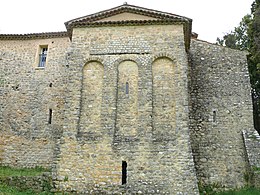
(127, 100)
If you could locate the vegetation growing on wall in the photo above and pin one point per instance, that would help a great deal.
(13, 181)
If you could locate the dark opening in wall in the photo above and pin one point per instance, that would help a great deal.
(15, 88)
(124, 172)
(50, 85)
(214, 115)
(126, 88)
(50, 116)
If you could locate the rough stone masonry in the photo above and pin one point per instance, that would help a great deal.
(126, 101)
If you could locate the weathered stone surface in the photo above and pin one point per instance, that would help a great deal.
(122, 93)
(138, 114)
(220, 110)
(252, 143)
(26, 97)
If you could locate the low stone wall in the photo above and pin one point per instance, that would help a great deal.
(256, 179)
(34, 183)
(252, 143)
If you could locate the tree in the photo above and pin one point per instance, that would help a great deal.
(254, 60)
(237, 39)
(247, 37)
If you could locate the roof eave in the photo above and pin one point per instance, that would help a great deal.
(34, 36)
(126, 8)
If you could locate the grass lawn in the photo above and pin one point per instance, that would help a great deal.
(6, 171)
(244, 191)
(9, 190)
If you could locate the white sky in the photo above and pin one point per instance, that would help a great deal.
(211, 18)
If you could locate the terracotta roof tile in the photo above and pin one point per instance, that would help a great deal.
(127, 8)
(33, 36)
(159, 18)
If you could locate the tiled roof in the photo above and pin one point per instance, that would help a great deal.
(128, 8)
(158, 18)
(33, 36)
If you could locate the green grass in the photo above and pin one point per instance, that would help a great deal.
(212, 190)
(10, 190)
(6, 171)
(244, 191)
(256, 168)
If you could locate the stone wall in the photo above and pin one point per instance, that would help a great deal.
(139, 126)
(90, 111)
(252, 143)
(28, 92)
(124, 109)
(220, 110)
(127, 100)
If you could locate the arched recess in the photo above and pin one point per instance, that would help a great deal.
(127, 98)
(91, 99)
(164, 103)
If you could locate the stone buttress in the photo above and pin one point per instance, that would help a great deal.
(126, 115)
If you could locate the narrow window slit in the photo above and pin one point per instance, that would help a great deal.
(126, 88)
(50, 116)
(124, 172)
(214, 115)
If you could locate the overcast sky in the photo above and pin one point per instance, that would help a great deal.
(211, 18)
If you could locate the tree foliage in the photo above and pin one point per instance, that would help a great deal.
(254, 60)
(247, 37)
(237, 39)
